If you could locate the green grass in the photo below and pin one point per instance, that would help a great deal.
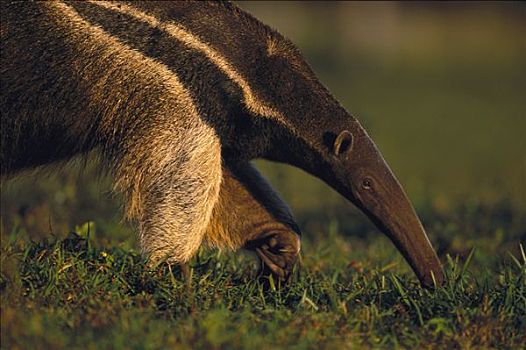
(440, 89)
(73, 292)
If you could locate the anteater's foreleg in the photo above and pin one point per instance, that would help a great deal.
(170, 174)
(250, 214)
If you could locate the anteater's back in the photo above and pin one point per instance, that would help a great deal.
(73, 72)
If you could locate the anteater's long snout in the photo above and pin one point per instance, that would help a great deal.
(363, 177)
(398, 221)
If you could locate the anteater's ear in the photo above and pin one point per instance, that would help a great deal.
(342, 143)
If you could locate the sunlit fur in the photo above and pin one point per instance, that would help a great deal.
(102, 94)
(177, 97)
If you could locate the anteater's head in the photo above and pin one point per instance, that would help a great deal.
(314, 132)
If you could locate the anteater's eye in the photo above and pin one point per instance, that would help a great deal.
(367, 183)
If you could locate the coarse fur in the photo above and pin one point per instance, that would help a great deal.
(156, 174)
(177, 98)
(136, 112)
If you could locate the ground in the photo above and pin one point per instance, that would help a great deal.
(348, 292)
(440, 88)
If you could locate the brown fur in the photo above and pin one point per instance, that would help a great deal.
(164, 158)
(249, 214)
(177, 97)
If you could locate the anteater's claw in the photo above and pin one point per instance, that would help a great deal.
(278, 252)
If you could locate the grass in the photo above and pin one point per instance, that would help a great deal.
(73, 292)
(443, 101)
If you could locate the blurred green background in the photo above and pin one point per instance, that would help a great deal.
(440, 87)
